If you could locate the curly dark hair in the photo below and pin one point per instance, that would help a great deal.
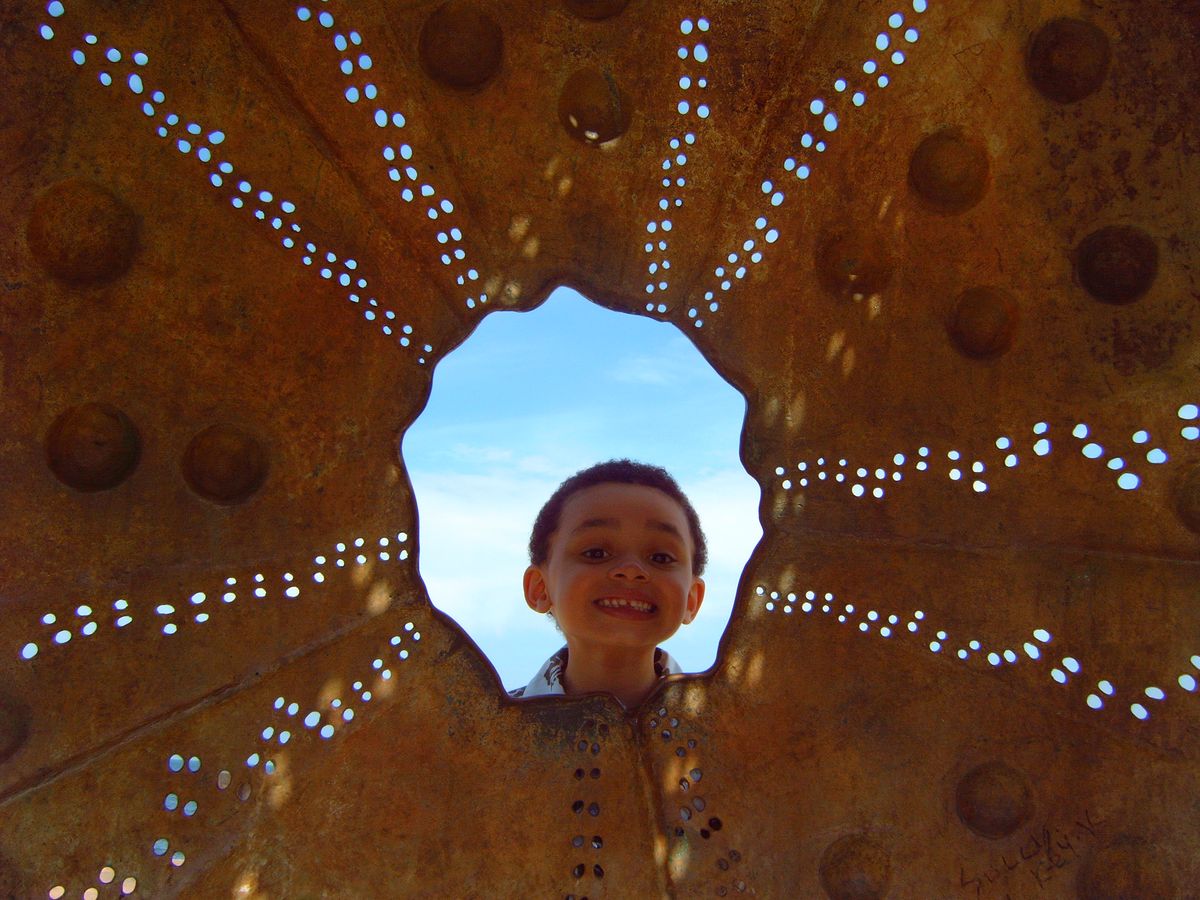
(615, 471)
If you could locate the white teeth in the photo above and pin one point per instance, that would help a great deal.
(619, 602)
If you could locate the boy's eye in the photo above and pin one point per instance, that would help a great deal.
(595, 553)
(662, 558)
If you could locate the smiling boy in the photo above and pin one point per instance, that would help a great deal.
(617, 553)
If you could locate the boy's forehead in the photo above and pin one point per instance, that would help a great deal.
(617, 499)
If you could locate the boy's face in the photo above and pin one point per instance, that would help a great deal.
(619, 568)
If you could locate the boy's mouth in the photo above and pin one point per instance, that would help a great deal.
(626, 605)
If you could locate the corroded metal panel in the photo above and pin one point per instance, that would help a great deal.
(946, 250)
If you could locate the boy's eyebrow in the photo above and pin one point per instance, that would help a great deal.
(663, 526)
(595, 523)
(654, 524)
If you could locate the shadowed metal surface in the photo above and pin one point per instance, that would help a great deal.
(946, 250)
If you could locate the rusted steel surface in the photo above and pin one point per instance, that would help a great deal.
(963, 660)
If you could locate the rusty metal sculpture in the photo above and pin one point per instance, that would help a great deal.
(948, 252)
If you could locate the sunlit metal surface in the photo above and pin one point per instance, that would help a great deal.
(948, 252)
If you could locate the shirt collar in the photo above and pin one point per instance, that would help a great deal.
(548, 679)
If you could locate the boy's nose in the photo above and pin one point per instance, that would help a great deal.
(628, 570)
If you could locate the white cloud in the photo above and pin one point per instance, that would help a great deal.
(727, 502)
(473, 531)
(642, 370)
(471, 454)
(673, 364)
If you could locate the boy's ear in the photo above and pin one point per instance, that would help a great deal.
(694, 599)
(535, 590)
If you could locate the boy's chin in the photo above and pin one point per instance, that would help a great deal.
(621, 635)
(625, 634)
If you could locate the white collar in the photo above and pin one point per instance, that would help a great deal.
(548, 679)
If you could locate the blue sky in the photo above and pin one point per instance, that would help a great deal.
(531, 398)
